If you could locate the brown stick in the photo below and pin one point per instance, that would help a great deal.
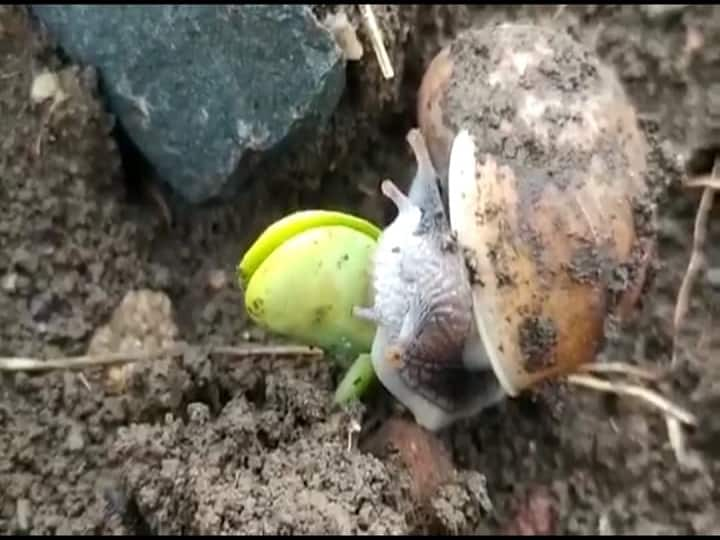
(111, 359)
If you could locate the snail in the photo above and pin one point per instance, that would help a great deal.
(528, 227)
(519, 237)
(423, 307)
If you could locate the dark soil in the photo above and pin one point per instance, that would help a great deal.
(226, 445)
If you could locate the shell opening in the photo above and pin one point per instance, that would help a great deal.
(463, 197)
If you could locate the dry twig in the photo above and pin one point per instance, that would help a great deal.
(112, 359)
(376, 38)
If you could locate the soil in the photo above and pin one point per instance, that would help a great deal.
(200, 443)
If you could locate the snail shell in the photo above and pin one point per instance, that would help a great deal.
(544, 164)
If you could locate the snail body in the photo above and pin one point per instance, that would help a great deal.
(423, 305)
(542, 165)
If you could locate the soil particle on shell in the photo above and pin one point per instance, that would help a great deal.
(472, 266)
(537, 337)
(588, 265)
(501, 264)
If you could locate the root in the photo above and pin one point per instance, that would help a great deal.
(687, 458)
(641, 392)
(709, 183)
(625, 369)
(114, 359)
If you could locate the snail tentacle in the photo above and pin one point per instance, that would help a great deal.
(392, 192)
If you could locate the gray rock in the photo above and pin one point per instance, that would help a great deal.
(203, 90)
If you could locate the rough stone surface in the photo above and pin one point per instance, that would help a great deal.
(204, 91)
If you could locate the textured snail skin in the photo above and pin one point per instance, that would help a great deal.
(423, 307)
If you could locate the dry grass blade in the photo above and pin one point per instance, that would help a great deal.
(377, 41)
(647, 395)
(112, 359)
(707, 181)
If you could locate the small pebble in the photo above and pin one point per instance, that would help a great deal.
(45, 86)
(345, 35)
(217, 279)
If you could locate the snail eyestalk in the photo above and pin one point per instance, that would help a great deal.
(697, 257)
(426, 172)
(392, 192)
